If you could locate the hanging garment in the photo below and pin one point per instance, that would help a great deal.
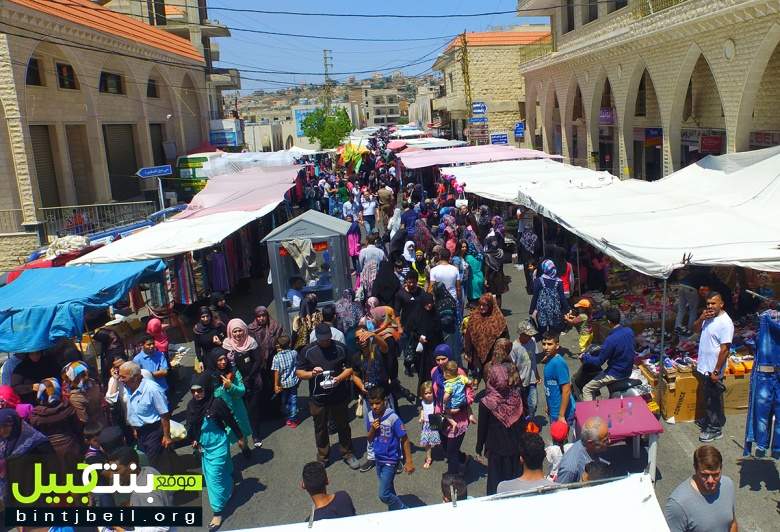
(246, 253)
(302, 252)
(218, 273)
(232, 261)
(764, 402)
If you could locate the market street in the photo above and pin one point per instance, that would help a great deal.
(270, 492)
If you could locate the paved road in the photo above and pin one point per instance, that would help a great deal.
(269, 491)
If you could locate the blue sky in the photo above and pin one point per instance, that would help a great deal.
(291, 54)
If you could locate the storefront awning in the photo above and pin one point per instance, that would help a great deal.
(469, 155)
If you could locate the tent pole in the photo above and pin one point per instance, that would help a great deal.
(663, 322)
(579, 280)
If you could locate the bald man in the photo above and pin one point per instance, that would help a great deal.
(594, 440)
(717, 333)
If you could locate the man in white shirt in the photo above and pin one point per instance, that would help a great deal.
(329, 318)
(717, 332)
(368, 206)
(371, 252)
(445, 273)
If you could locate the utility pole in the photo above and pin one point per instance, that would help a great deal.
(464, 65)
(327, 63)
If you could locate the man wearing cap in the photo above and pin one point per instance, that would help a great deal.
(325, 365)
(524, 356)
(579, 317)
(617, 351)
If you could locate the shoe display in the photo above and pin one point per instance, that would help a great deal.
(352, 462)
(366, 465)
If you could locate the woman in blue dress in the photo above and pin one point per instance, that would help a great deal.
(208, 419)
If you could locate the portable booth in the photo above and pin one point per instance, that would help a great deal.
(311, 247)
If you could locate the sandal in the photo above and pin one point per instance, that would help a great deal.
(427, 464)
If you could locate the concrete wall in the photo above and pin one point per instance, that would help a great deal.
(14, 248)
(728, 48)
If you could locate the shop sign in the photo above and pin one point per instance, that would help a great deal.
(654, 136)
(607, 116)
(223, 137)
(690, 137)
(499, 138)
(710, 144)
(520, 129)
(764, 139)
(478, 120)
(478, 108)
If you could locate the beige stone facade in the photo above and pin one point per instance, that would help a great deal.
(494, 79)
(67, 113)
(645, 88)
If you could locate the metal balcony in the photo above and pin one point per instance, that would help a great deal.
(86, 219)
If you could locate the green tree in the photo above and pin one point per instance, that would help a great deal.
(327, 129)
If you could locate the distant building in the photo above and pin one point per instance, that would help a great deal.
(420, 110)
(380, 107)
(494, 80)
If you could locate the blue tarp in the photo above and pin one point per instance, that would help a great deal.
(44, 305)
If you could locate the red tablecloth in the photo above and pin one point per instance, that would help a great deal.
(625, 425)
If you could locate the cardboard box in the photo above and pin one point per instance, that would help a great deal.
(652, 378)
(678, 397)
(735, 400)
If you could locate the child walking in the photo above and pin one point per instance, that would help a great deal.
(285, 380)
(388, 436)
(559, 432)
(579, 317)
(429, 438)
(455, 392)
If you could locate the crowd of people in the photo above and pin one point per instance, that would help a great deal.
(428, 278)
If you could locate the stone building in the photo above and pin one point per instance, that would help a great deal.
(494, 79)
(643, 88)
(379, 107)
(88, 96)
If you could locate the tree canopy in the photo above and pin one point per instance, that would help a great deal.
(327, 129)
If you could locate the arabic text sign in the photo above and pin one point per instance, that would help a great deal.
(478, 108)
(155, 171)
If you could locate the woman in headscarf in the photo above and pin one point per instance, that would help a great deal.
(463, 266)
(21, 446)
(425, 333)
(220, 307)
(450, 233)
(409, 250)
(549, 305)
(209, 333)
(208, 420)
(451, 437)
(421, 267)
(423, 239)
(497, 228)
(266, 330)
(83, 393)
(243, 354)
(476, 283)
(156, 330)
(394, 224)
(495, 281)
(229, 386)
(307, 319)
(501, 418)
(486, 325)
(57, 420)
(367, 278)
(387, 326)
(9, 399)
(353, 243)
(35, 367)
(529, 251)
(386, 284)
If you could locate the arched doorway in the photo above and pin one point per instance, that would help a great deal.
(190, 114)
(765, 127)
(607, 130)
(703, 122)
(578, 144)
(647, 132)
(288, 143)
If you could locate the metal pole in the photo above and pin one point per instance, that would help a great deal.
(663, 323)
(160, 192)
(579, 280)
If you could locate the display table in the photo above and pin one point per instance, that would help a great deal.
(633, 422)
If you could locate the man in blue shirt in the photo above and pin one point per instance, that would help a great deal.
(557, 382)
(149, 416)
(295, 294)
(408, 218)
(617, 351)
(387, 434)
(155, 362)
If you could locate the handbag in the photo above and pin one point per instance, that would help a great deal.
(435, 421)
(461, 201)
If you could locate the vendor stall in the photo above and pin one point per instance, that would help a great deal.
(308, 254)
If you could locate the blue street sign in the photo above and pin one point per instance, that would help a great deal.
(520, 129)
(478, 108)
(478, 120)
(499, 138)
(154, 171)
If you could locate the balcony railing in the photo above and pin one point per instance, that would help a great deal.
(85, 219)
(643, 8)
(11, 221)
(536, 49)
